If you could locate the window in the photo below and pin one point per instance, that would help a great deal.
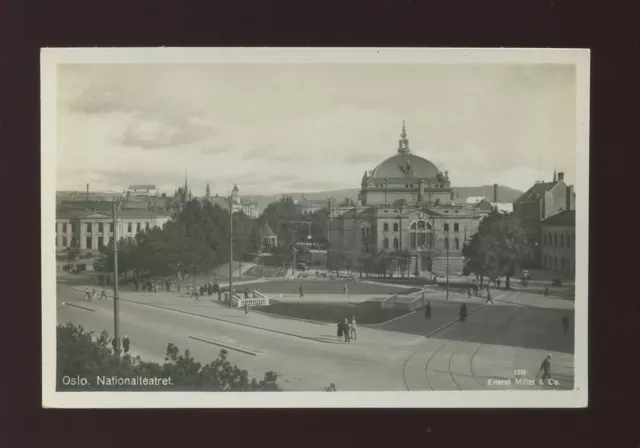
(396, 226)
(385, 243)
(446, 243)
(89, 227)
(129, 228)
(562, 242)
(395, 243)
(64, 241)
(100, 227)
(456, 227)
(385, 227)
(88, 243)
(446, 227)
(64, 228)
(456, 243)
(146, 226)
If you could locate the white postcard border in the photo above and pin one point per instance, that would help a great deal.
(410, 399)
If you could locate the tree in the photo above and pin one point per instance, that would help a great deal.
(497, 249)
(83, 354)
(335, 260)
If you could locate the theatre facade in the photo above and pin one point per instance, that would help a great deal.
(406, 204)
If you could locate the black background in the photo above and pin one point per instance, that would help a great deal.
(609, 29)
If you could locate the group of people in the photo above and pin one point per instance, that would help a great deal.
(104, 279)
(347, 329)
(91, 294)
(126, 344)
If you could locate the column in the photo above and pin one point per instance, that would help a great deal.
(94, 235)
(82, 232)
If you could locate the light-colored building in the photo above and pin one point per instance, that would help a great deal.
(141, 190)
(559, 242)
(406, 203)
(237, 203)
(90, 230)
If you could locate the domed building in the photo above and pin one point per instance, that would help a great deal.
(405, 176)
(406, 206)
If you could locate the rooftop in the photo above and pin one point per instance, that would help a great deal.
(536, 192)
(142, 187)
(563, 218)
(99, 214)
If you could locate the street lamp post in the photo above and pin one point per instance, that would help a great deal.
(230, 250)
(447, 248)
(116, 298)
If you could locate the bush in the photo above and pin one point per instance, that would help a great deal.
(81, 354)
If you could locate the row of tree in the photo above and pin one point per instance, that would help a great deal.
(197, 239)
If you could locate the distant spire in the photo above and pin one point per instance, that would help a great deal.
(208, 191)
(403, 143)
(185, 181)
(555, 175)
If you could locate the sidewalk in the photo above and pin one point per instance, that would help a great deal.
(209, 308)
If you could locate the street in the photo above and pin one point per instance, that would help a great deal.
(407, 353)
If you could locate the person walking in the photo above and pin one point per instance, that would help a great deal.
(346, 290)
(246, 308)
(545, 368)
(339, 330)
(113, 344)
(155, 288)
(178, 285)
(565, 323)
(546, 291)
(489, 299)
(93, 294)
(136, 284)
(352, 328)
(345, 329)
(246, 293)
(498, 282)
(125, 344)
(469, 292)
(103, 295)
(427, 311)
(188, 290)
(195, 293)
(463, 312)
(301, 291)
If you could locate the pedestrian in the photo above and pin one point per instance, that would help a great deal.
(545, 368)
(498, 282)
(427, 311)
(339, 330)
(188, 290)
(219, 294)
(178, 285)
(352, 326)
(300, 290)
(108, 279)
(125, 344)
(489, 299)
(87, 294)
(103, 295)
(469, 292)
(246, 308)
(463, 312)
(565, 323)
(546, 291)
(246, 293)
(195, 293)
(345, 329)
(93, 294)
(346, 290)
(115, 348)
(136, 284)
(168, 284)
(155, 288)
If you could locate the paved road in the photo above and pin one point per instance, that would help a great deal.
(494, 341)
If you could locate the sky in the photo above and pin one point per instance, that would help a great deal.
(277, 128)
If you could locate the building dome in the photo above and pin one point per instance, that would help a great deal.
(405, 164)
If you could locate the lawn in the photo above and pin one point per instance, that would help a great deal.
(365, 312)
(328, 287)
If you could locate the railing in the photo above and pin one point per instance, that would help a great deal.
(255, 299)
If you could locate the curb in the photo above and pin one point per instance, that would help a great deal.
(280, 316)
(230, 347)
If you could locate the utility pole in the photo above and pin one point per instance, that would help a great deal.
(116, 298)
(230, 250)
(447, 241)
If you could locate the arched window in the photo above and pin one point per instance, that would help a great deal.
(385, 243)
(420, 234)
(456, 243)
(395, 243)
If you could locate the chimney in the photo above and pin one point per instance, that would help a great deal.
(495, 192)
(568, 198)
(87, 192)
(560, 177)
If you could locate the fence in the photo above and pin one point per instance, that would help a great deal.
(255, 299)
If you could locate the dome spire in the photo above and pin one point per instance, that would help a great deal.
(403, 143)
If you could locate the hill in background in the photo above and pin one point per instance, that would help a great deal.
(505, 194)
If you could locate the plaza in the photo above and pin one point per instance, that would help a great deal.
(405, 352)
